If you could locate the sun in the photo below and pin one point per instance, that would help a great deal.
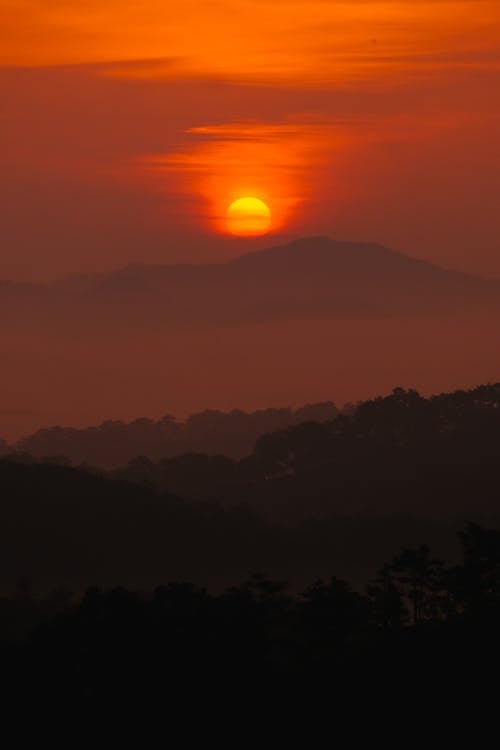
(248, 217)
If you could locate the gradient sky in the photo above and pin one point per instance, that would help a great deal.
(127, 128)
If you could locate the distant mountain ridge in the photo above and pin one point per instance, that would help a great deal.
(308, 277)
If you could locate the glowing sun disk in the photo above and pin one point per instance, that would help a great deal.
(248, 216)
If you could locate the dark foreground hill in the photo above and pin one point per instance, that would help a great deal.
(410, 660)
(67, 528)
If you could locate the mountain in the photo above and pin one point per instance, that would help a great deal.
(309, 277)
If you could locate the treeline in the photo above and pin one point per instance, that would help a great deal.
(402, 453)
(414, 588)
(113, 443)
(411, 659)
(278, 442)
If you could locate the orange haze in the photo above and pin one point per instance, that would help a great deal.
(128, 128)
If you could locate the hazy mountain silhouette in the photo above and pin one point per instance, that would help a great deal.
(313, 276)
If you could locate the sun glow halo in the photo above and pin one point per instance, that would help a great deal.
(248, 217)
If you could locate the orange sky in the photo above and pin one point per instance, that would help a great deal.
(128, 128)
(293, 39)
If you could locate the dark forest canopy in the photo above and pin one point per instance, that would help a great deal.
(410, 659)
(66, 527)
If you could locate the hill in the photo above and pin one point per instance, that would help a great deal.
(315, 498)
(312, 276)
(114, 442)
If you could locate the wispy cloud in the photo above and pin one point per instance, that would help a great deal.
(327, 41)
(283, 163)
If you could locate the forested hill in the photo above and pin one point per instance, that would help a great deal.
(115, 442)
(311, 499)
(63, 528)
(402, 418)
(402, 453)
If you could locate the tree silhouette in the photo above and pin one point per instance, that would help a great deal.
(420, 578)
(387, 601)
(333, 609)
(476, 583)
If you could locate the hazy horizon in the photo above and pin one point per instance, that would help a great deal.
(227, 249)
(303, 322)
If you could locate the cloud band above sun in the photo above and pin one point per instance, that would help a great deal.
(267, 172)
(270, 164)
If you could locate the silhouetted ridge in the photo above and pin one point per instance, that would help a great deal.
(401, 454)
(317, 250)
(309, 277)
(409, 659)
(114, 442)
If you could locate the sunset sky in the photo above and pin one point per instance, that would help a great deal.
(128, 128)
